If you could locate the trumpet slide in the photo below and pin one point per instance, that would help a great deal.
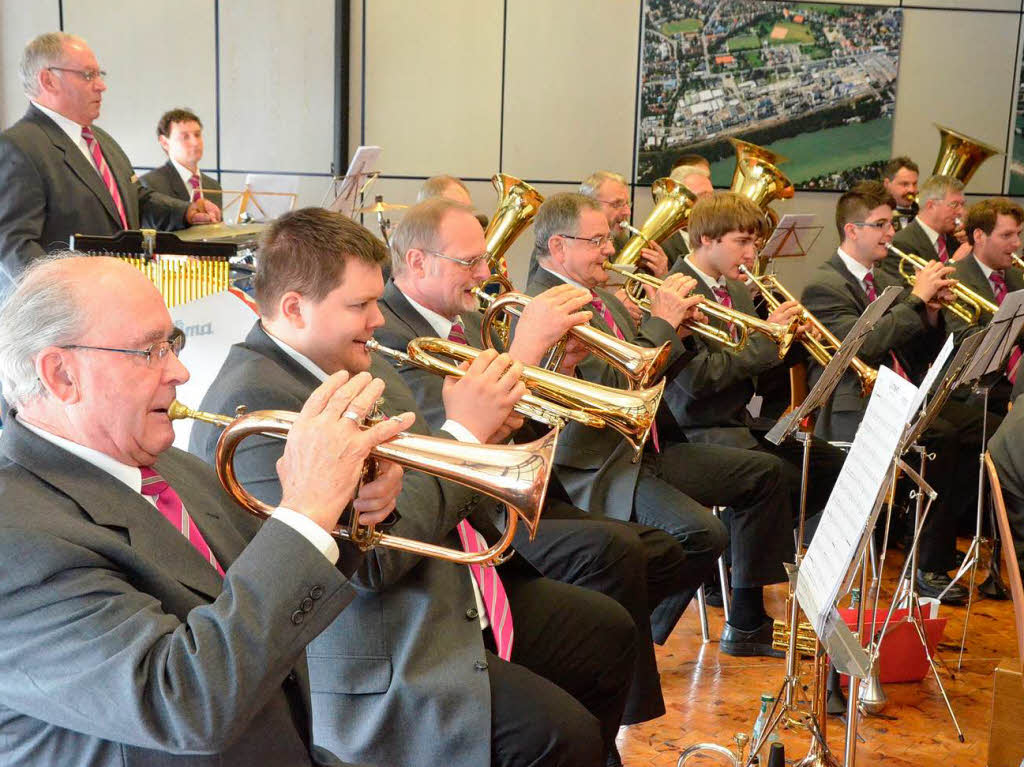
(516, 475)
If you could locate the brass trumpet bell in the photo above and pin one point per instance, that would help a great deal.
(518, 203)
(516, 475)
(960, 156)
(673, 204)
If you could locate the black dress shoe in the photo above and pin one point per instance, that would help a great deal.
(745, 644)
(933, 584)
(713, 593)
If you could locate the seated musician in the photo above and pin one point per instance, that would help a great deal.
(450, 188)
(1007, 450)
(427, 666)
(180, 133)
(936, 233)
(697, 179)
(123, 639)
(674, 479)
(839, 292)
(993, 230)
(900, 177)
(643, 568)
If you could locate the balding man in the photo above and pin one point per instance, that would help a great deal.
(144, 617)
(60, 175)
(696, 178)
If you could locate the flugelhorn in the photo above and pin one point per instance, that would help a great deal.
(518, 203)
(968, 305)
(820, 350)
(516, 475)
(631, 413)
(640, 364)
(744, 324)
(673, 203)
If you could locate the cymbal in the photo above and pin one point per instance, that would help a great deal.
(380, 207)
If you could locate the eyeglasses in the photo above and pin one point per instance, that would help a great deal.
(597, 241)
(155, 355)
(86, 74)
(470, 264)
(881, 226)
(955, 204)
(619, 203)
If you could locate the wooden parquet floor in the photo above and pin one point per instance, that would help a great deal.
(711, 696)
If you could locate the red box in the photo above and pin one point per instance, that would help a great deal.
(901, 657)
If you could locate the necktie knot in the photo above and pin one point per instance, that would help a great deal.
(88, 135)
(152, 482)
(457, 334)
(722, 296)
(869, 286)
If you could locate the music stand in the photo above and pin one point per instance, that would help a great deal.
(344, 194)
(794, 236)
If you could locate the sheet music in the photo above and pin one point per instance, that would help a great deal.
(933, 373)
(997, 343)
(363, 162)
(789, 225)
(854, 498)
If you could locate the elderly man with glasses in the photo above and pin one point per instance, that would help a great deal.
(61, 175)
(937, 232)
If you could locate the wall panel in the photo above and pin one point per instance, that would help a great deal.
(20, 21)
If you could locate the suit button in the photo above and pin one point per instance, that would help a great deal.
(472, 614)
(307, 604)
(316, 592)
(480, 665)
(298, 616)
(292, 676)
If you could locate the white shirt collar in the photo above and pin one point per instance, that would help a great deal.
(985, 268)
(185, 174)
(707, 279)
(565, 279)
(442, 325)
(932, 234)
(299, 357)
(130, 475)
(857, 269)
(70, 127)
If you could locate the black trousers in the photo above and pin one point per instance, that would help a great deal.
(560, 699)
(826, 461)
(637, 566)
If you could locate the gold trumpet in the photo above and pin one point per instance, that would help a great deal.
(1017, 261)
(516, 475)
(745, 324)
(630, 413)
(640, 364)
(518, 203)
(968, 305)
(820, 350)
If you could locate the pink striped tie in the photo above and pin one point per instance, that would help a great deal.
(493, 593)
(941, 250)
(724, 299)
(105, 174)
(169, 504)
(872, 291)
(458, 333)
(999, 288)
(193, 183)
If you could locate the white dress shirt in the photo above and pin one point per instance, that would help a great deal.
(932, 234)
(72, 129)
(857, 269)
(132, 477)
(706, 278)
(186, 174)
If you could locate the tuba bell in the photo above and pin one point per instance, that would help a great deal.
(515, 475)
(960, 156)
(758, 178)
(518, 203)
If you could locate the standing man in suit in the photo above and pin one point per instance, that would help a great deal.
(697, 179)
(666, 489)
(993, 230)
(426, 668)
(937, 233)
(900, 177)
(61, 175)
(144, 617)
(841, 290)
(180, 133)
(640, 567)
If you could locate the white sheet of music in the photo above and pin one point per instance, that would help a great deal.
(853, 499)
(937, 368)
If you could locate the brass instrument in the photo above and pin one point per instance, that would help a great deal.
(640, 364)
(1017, 260)
(820, 350)
(745, 324)
(516, 475)
(758, 178)
(747, 152)
(968, 305)
(730, 757)
(959, 155)
(673, 203)
(631, 413)
(518, 203)
(530, 406)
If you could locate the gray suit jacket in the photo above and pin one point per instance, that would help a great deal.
(120, 645)
(50, 191)
(596, 465)
(394, 679)
(913, 239)
(837, 299)
(708, 397)
(675, 248)
(166, 180)
(1007, 449)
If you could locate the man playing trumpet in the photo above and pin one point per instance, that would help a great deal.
(937, 232)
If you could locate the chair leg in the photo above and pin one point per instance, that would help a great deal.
(723, 573)
(702, 608)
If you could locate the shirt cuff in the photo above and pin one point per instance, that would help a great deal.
(310, 530)
(460, 432)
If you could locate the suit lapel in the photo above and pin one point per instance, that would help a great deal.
(259, 341)
(969, 272)
(177, 185)
(853, 284)
(77, 162)
(112, 504)
(922, 243)
(399, 305)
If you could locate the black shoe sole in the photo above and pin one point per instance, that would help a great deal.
(750, 650)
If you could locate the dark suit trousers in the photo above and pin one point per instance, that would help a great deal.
(636, 566)
(826, 461)
(580, 646)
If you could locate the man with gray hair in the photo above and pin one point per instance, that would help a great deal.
(144, 617)
(60, 175)
(697, 179)
(937, 233)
